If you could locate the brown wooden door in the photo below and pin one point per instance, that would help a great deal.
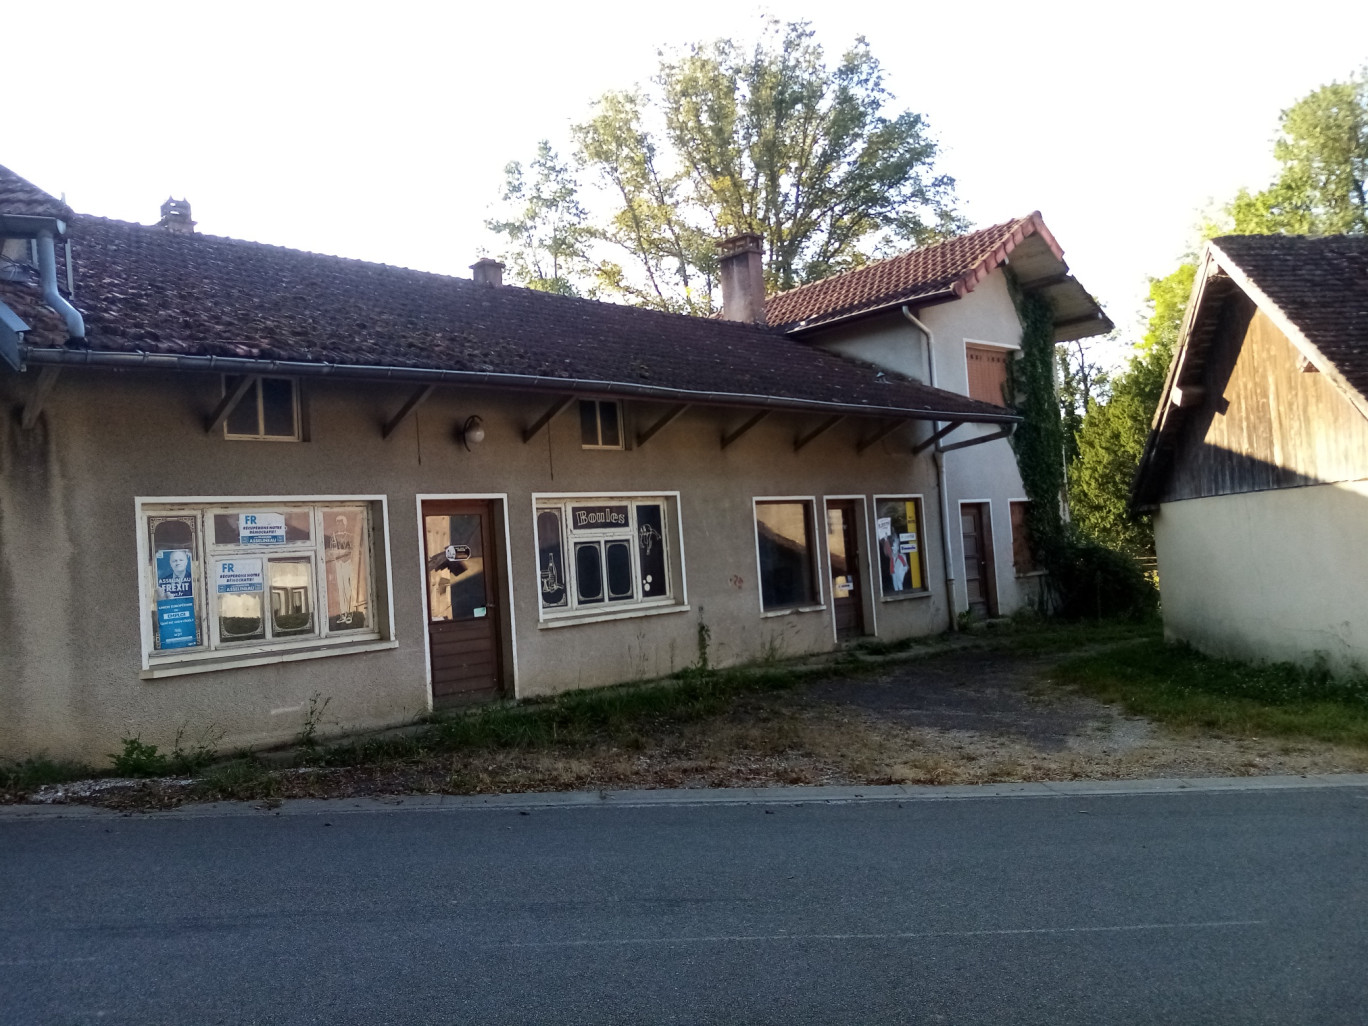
(843, 550)
(978, 560)
(463, 608)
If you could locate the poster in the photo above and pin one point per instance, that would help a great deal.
(261, 529)
(344, 541)
(176, 626)
(238, 576)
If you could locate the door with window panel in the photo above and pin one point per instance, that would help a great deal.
(464, 633)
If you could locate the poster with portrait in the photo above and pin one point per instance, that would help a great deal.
(176, 622)
(344, 542)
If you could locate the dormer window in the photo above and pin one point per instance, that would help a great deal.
(268, 412)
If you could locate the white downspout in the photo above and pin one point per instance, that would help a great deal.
(939, 457)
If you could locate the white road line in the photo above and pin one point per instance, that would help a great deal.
(750, 938)
(45, 961)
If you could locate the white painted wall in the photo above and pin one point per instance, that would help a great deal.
(1278, 575)
(986, 472)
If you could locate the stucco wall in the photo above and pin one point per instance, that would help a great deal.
(1275, 575)
(69, 616)
(986, 473)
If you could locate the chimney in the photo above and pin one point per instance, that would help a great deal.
(487, 271)
(743, 278)
(176, 217)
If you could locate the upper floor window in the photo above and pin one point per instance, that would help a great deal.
(987, 367)
(600, 424)
(268, 411)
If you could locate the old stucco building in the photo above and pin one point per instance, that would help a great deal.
(236, 479)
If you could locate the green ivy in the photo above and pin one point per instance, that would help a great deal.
(1039, 439)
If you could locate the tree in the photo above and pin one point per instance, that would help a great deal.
(1083, 382)
(545, 224)
(770, 140)
(1323, 150)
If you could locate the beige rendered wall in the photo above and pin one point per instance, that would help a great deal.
(1276, 575)
(986, 473)
(69, 615)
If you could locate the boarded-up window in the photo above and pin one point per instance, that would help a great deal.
(1023, 552)
(987, 372)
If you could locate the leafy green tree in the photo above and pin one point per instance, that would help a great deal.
(770, 139)
(1323, 150)
(545, 224)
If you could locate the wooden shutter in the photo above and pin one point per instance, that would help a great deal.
(987, 372)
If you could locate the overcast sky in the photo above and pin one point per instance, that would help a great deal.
(380, 131)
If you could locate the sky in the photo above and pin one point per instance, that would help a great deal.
(381, 130)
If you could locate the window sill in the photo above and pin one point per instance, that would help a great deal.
(1029, 573)
(791, 610)
(233, 661)
(625, 614)
(905, 596)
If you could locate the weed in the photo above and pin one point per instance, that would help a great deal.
(27, 774)
(308, 734)
(139, 759)
(239, 779)
(704, 640)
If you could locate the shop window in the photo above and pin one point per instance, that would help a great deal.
(604, 554)
(1023, 551)
(251, 577)
(901, 545)
(987, 366)
(269, 411)
(787, 553)
(600, 424)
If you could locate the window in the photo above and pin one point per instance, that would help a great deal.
(787, 553)
(600, 424)
(1023, 552)
(902, 555)
(987, 367)
(268, 411)
(251, 577)
(604, 555)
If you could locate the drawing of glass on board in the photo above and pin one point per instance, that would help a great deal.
(347, 569)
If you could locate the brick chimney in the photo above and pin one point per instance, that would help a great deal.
(176, 217)
(487, 271)
(743, 278)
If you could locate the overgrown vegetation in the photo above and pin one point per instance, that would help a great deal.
(1179, 687)
(139, 759)
(29, 774)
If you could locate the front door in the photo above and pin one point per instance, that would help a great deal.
(978, 559)
(843, 549)
(464, 638)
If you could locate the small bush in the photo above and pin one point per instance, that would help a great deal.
(1093, 582)
(139, 760)
(27, 774)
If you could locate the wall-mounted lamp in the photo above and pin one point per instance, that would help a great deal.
(471, 432)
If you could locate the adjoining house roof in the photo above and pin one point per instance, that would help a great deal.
(946, 271)
(181, 299)
(1314, 289)
(21, 197)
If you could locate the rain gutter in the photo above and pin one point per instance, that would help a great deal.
(477, 379)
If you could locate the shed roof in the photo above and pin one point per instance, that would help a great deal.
(163, 298)
(947, 271)
(1314, 289)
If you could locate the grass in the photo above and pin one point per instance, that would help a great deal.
(31, 774)
(1179, 687)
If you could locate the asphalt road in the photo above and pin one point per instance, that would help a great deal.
(1207, 907)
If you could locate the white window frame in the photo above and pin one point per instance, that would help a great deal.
(817, 546)
(261, 412)
(925, 590)
(208, 656)
(675, 575)
(598, 422)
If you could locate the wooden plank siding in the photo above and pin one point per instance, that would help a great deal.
(1264, 423)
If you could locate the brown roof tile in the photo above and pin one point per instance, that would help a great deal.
(944, 270)
(146, 290)
(22, 197)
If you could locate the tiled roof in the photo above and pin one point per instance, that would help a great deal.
(944, 270)
(20, 196)
(148, 290)
(1320, 285)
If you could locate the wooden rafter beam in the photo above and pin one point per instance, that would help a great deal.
(669, 418)
(533, 429)
(47, 377)
(750, 422)
(879, 435)
(407, 410)
(1044, 282)
(932, 439)
(229, 403)
(802, 441)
